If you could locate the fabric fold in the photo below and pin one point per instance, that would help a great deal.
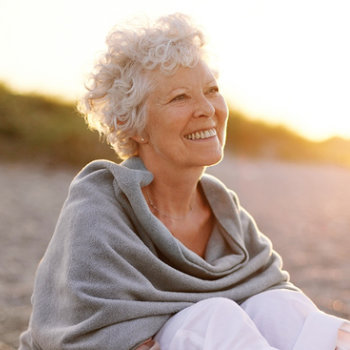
(112, 269)
(320, 332)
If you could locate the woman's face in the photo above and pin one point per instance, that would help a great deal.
(186, 118)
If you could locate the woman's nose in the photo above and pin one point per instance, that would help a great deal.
(204, 107)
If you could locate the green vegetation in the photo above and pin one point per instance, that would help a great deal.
(38, 128)
(263, 140)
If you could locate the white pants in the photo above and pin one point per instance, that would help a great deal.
(277, 319)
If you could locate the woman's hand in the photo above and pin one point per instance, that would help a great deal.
(149, 344)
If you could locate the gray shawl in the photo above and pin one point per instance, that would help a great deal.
(113, 274)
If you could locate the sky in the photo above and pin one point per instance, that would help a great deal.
(283, 61)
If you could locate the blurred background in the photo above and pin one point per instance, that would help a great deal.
(284, 70)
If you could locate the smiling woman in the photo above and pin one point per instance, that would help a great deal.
(153, 252)
(190, 115)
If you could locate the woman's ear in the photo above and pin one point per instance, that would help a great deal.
(139, 139)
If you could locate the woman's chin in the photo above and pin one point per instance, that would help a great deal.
(212, 158)
(216, 161)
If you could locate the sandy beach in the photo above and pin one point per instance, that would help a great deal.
(304, 209)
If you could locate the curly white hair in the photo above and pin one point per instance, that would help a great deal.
(118, 86)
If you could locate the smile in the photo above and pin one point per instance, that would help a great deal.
(199, 135)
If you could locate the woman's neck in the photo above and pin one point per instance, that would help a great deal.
(173, 193)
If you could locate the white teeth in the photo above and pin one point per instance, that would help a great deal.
(201, 134)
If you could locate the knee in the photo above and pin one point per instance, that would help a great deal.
(219, 307)
(274, 303)
(218, 303)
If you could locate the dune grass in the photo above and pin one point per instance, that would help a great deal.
(40, 128)
(259, 139)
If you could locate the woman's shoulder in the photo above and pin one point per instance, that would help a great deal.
(93, 178)
(103, 179)
(101, 171)
(95, 169)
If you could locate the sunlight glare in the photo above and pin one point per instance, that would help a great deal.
(285, 62)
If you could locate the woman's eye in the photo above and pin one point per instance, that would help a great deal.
(213, 90)
(178, 98)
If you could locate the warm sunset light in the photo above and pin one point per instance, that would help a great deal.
(283, 61)
(138, 204)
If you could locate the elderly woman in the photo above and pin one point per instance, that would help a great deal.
(153, 253)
